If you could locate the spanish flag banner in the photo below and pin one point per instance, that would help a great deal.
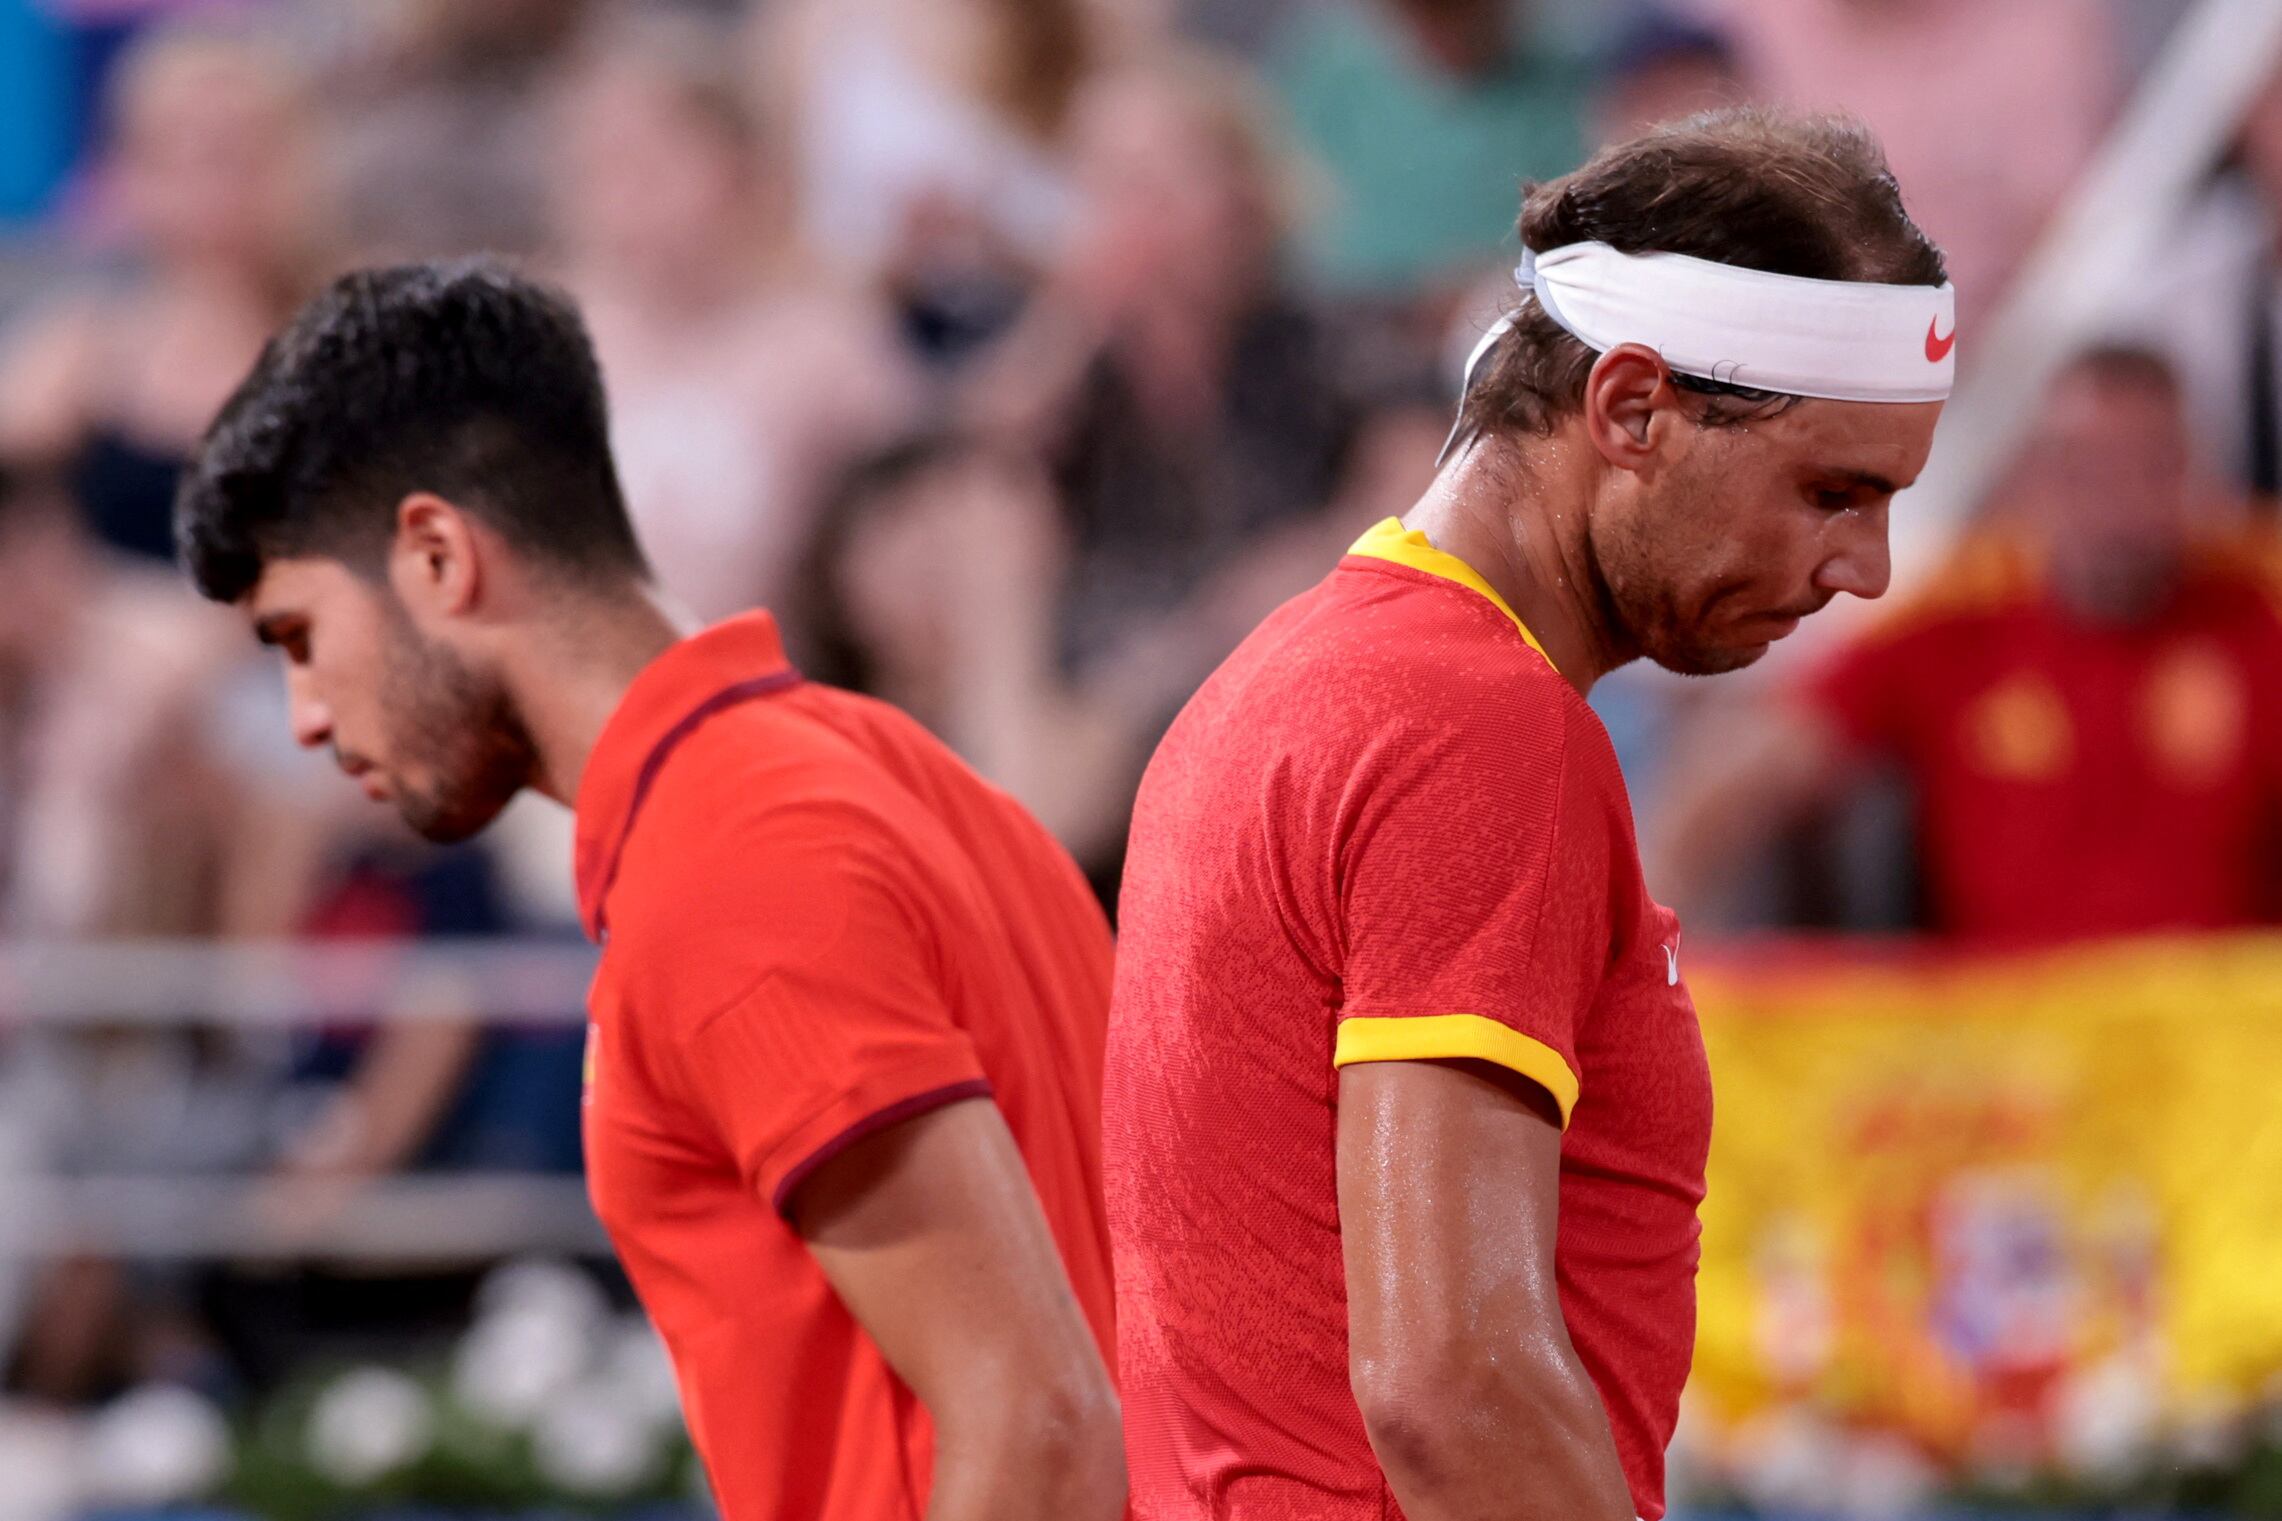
(2013, 1215)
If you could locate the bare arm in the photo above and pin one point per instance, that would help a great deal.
(406, 1079)
(931, 1234)
(1744, 776)
(1473, 1397)
(46, 375)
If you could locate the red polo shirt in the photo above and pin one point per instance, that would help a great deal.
(2073, 777)
(1385, 830)
(816, 922)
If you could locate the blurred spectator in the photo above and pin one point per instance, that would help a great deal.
(2087, 711)
(1986, 111)
(109, 825)
(2216, 306)
(216, 201)
(106, 795)
(929, 136)
(1185, 400)
(1662, 68)
(1426, 114)
(439, 141)
(742, 375)
(942, 571)
(1193, 417)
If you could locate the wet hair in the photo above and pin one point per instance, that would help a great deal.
(1808, 196)
(458, 377)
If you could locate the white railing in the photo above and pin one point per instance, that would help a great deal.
(2095, 254)
(404, 1219)
(291, 982)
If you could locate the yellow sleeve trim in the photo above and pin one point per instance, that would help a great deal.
(1389, 540)
(1445, 1037)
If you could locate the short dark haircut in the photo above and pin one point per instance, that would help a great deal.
(458, 377)
(1808, 196)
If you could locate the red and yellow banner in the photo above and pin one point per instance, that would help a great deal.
(1969, 1202)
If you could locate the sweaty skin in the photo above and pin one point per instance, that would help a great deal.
(1476, 1404)
(1634, 529)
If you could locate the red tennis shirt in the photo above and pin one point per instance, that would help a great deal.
(2073, 777)
(1386, 829)
(816, 922)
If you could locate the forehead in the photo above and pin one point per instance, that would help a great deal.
(1889, 440)
(301, 584)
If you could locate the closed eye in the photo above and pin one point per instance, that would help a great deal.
(1839, 490)
(1840, 496)
(287, 635)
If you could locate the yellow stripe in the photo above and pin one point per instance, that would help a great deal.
(1404, 546)
(1449, 1037)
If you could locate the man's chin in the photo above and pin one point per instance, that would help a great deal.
(447, 825)
(1708, 660)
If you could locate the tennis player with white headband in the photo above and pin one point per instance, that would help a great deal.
(1406, 1108)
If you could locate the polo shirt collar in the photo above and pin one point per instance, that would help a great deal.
(740, 658)
(1389, 540)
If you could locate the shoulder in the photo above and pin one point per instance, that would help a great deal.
(1378, 647)
(1422, 688)
(709, 901)
(760, 771)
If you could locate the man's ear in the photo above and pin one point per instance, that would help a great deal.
(435, 564)
(1628, 398)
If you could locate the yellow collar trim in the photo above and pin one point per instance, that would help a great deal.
(1406, 546)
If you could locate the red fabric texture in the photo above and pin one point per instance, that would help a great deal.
(1385, 805)
(819, 922)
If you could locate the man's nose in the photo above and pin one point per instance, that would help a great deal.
(1857, 561)
(312, 721)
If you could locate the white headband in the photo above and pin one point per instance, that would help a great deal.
(1841, 340)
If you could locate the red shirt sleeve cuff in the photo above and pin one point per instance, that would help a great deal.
(876, 1103)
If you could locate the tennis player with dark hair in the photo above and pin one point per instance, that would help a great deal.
(1407, 1107)
(844, 1063)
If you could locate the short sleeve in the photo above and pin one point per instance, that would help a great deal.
(1475, 892)
(842, 1028)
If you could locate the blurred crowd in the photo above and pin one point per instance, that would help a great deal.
(1021, 355)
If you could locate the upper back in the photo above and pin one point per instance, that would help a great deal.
(1008, 913)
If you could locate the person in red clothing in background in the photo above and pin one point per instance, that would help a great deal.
(2085, 706)
(1407, 1110)
(843, 1091)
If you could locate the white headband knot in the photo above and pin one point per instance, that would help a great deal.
(1840, 340)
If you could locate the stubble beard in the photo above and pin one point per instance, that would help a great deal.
(1641, 597)
(461, 726)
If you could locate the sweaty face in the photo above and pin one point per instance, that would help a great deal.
(405, 715)
(1743, 529)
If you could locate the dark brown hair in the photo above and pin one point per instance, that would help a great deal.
(1808, 196)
